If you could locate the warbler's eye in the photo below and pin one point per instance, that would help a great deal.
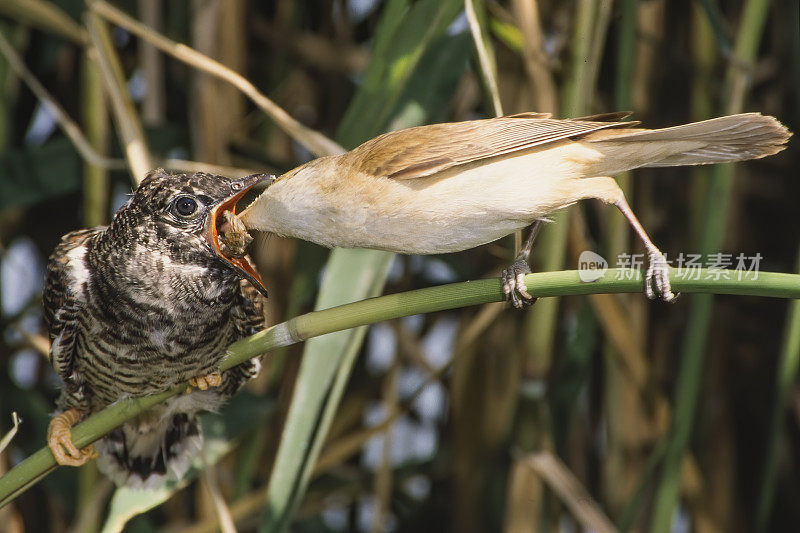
(185, 206)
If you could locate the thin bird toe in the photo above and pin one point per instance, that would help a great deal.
(648, 285)
(514, 288)
(522, 289)
(205, 382)
(657, 282)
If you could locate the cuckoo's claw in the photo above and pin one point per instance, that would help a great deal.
(514, 287)
(205, 382)
(59, 440)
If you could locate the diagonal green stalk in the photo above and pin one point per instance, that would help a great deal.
(406, 32)
(429, 300)
(327, 363)
(753, 19)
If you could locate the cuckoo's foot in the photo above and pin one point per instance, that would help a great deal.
(656, 284)
(514, 287)
(205, 382)
(59, 440)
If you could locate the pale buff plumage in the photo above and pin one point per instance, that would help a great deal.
(448, 187)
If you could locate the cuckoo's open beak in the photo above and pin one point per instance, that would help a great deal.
(216, 219)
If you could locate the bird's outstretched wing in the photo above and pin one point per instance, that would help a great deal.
(425, 150)
(65, 280)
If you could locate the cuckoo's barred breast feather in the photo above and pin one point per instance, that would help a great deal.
(141, 305)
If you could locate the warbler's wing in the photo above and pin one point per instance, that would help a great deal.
(424, 150)
(64, 282)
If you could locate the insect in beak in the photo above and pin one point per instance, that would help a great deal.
(217, 218)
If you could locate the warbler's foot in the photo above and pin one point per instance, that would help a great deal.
(205, 382)
(59, 440)
(514, 287)
(656, 282)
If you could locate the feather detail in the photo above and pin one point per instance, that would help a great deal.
(140, 306)
(148, 454)
(418, 152)
(449, 187)
(717, 140)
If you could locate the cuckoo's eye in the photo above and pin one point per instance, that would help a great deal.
(185, 206)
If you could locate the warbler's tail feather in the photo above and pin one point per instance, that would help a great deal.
(717, 140)
(145, 454)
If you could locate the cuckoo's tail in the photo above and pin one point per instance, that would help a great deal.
(146, 453)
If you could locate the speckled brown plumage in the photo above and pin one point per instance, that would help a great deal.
(141, 305)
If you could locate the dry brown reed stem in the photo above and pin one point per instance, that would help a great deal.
(93, 509)
(79, 140)
(126, 117)
(223, 512)
(205, 103)
(312, 49)
(67, 125)
(340, 449)
(317, 143)
(152, 62)
(570, 491)
(488, 70)
(382, 482)
(334, 454)
(535, 58)
(46, 16)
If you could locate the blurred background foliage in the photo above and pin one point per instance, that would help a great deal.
(601, 412)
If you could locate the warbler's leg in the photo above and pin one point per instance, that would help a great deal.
(59, 440)
(657, 276)
(513, 277)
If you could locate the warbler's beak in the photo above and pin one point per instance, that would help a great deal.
(241, 264)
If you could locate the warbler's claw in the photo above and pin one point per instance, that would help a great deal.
(514, 287)
(657, 278)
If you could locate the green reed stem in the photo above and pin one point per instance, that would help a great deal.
(372, 310)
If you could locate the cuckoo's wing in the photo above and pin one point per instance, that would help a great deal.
(248, 312)
(65, 281)
(248, 318)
